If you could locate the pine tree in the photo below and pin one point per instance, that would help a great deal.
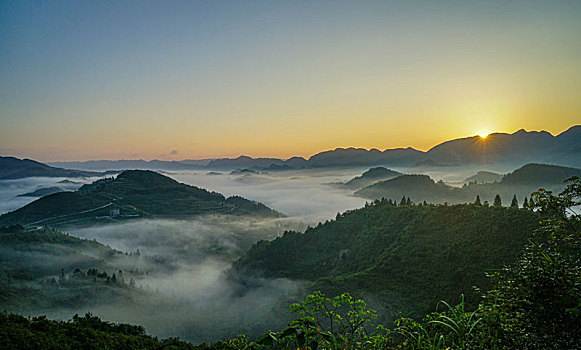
(525, 203)
(514, 203)
(497, 201)
(403, 201)
(409, 201)
(477, 201)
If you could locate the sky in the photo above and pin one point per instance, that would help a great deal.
(175, 79)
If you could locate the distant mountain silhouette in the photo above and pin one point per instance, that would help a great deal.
(41, 192)
(498, 148)
(257, 163)
(139, 164)
(346, 157)
(14, 168)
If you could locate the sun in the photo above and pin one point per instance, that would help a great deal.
(483, 134)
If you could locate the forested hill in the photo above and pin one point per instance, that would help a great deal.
(371, 176)
(133, 193)
(521, 182)
(409, 257)
(535, 174)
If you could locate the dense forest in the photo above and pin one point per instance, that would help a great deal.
(407, 257)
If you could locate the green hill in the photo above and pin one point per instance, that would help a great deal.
(406, 257)
(484, 177)
(534, 174)
(370, 177)
(418, 187)
(134, 193)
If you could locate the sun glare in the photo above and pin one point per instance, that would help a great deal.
(483, 134)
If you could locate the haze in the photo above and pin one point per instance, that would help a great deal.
(104, 80)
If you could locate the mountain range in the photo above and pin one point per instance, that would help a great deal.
(12, 168)
(498, 148)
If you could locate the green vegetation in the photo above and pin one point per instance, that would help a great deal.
(82, 332)
(534, 302)
(134, 193)
(407, 260)
(408, 256)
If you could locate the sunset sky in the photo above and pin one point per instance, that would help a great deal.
(86, 80)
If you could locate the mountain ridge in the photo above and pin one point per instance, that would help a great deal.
(520, 146)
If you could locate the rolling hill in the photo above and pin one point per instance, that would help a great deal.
(370, 177)
(133, 193)
(406, 257)
(521, 182)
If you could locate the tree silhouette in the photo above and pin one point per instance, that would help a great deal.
(477, 201)
(514, 202)
(497, 201)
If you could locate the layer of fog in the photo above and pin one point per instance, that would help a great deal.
(195, 299)
(11, 189)
(302, 194)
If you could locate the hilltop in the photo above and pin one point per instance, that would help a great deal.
(418, 187)
(370, 177)
(133, 193)
(535, 174)
(483, 176)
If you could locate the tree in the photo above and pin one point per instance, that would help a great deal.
(536, 303)
(403, 201)
(525, 203)
(477, 201)
(409, 201)
(514, 202)
(497, 201)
